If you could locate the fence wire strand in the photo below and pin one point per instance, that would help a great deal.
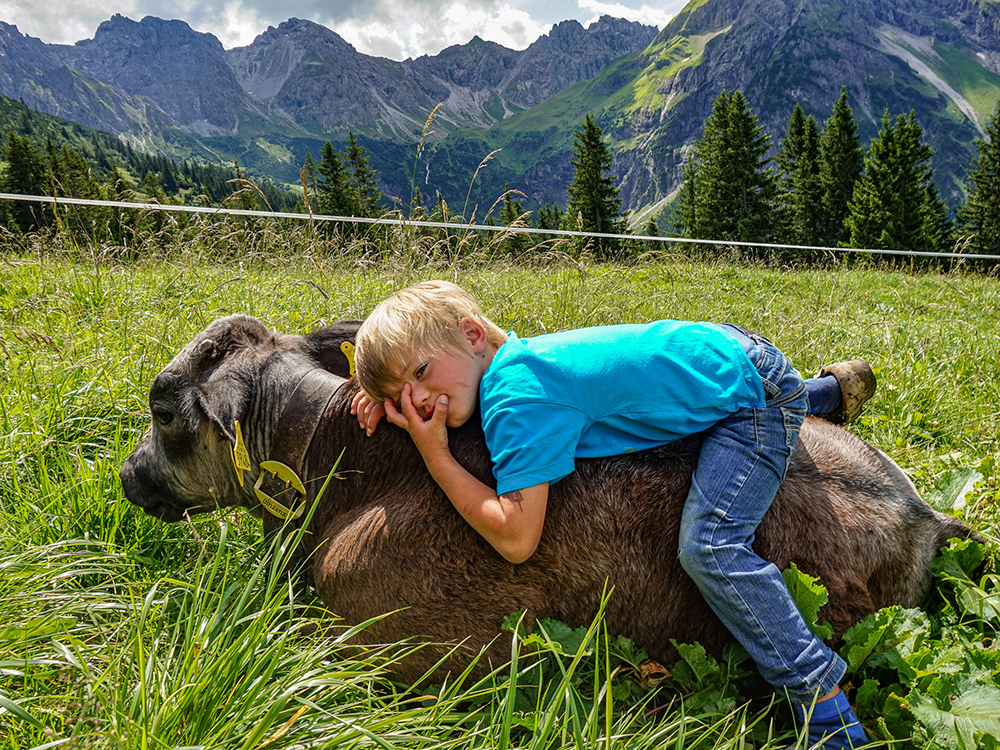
(385, 221)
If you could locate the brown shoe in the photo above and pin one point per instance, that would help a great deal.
(857, 385)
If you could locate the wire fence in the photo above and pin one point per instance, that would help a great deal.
(468, 227)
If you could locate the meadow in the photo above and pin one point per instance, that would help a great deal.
(118, 631)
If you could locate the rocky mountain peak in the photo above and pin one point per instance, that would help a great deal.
(167, 62)
(265, 66)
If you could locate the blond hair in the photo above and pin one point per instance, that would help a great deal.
(426, 317)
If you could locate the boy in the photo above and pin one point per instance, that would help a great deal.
(427, 358)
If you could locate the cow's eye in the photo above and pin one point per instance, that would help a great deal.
(163, 416)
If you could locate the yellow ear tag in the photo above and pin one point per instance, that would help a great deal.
(289, 477)
(241, 458)
(348, 349)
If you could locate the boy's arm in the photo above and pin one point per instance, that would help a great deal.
(512, 523)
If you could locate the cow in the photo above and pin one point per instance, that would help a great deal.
(242, 404)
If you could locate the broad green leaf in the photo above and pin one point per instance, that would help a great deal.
(960, 559)
(887, 638)
(625, 649)
(985, 605)
(867, 700)
(810, 596)
(514, 623)
(701, 665)
(952, 489)
(569, 639)
(972, 715)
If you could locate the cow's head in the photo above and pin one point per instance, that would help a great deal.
(183, 463)
(218, 396)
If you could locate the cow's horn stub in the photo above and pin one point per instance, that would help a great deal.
(206, 347)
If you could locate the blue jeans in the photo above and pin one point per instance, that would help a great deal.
(742, 462)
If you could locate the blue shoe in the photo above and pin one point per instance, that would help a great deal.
(832, 724)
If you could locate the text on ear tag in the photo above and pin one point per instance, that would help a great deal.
(287, 475)
(241, 458)
(348, 349)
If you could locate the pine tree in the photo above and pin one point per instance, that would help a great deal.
(799, 185)
(684, 209)
(730, 189)
(332, 192)
(549, 217)
(440, 212)
(245, 194)
(806, 199)
(122, 222)
(362, 178)
(841, 164)
(593, 198)
(790, 150)
(895, 204)
(980, 216)
(26, 174)
(72, 176)
(652, 229)
(417, 205)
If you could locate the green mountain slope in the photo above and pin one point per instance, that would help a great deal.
(937, 58)
(105, 152)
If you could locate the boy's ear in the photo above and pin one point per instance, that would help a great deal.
(475, 333)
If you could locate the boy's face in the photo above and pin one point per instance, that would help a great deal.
(447, 373)
(452, 372)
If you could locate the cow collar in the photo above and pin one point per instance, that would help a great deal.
(301, 415)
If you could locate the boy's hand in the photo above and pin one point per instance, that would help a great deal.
(430, 435)
(368, 412)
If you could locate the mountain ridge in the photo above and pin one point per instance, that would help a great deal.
(165, 86)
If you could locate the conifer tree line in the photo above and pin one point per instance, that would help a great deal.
(342, 184)
(110, 175)
(47, 156)
(821, 188)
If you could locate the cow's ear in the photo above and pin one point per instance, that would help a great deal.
(332, 348)
(225, 401)
(222, 339)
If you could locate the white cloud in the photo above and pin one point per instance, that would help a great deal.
(373, 38)
(442, 24)
(387, 28)
(55, 23)
(238, 25)
(658, 17)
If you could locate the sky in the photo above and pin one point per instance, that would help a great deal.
(396, 29)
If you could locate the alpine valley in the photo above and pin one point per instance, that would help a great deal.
(166, 88)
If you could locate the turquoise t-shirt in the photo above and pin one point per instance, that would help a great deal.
(607, 390)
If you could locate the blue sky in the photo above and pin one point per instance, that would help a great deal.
(388, 28)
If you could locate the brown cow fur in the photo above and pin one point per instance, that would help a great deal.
(386, 538)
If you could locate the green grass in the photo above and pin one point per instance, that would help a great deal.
(119, 631)
(977, 83)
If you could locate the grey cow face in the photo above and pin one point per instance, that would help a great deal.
(183, 464)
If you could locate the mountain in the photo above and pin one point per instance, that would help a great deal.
(165, 87)
(940, 58)
(298, 78)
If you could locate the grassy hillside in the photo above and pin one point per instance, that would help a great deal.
(119, 631)
(134, 158)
